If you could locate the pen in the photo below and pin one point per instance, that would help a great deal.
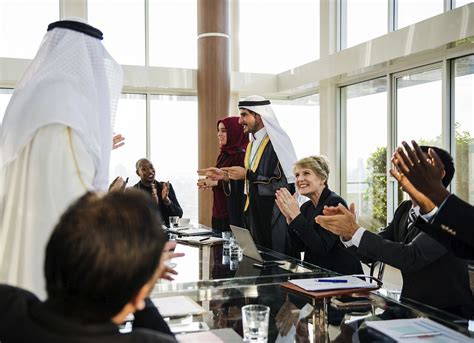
(332, 280)
(421, 334)
(126, 181)
(204, 239)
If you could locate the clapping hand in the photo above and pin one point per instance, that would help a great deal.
(416, 171)
(117, 141)
(339, 220)
(287, 204)
(154, 192)
(118, 185)
(165, 191)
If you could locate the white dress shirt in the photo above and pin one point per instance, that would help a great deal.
(356, 238)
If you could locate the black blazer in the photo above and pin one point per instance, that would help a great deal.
(26, 319)
(321, 247)
(453, 227)
(172, 209)
(431, 274)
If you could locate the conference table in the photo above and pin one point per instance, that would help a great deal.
(221, 285)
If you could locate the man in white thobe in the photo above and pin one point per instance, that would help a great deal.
(55, 144)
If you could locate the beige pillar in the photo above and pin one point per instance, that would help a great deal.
(213, 86)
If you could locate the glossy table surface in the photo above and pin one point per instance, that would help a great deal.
(221, 286)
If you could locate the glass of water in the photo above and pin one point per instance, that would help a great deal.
(255, 323)
(174, 222)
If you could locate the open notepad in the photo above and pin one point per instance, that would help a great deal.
(417, 330)
(200, 240)
(192, 231)
(330, 283)
(177, 306)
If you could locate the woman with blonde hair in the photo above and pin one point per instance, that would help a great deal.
(320, 247)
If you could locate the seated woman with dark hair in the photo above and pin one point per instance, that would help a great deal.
(321, 247)
(102, 261)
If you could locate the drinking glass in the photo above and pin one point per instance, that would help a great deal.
(255, 323)
(174, 222)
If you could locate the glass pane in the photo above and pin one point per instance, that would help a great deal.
(366, 106)
(123, 25)
(173, 33)
(174, 147)
(130, 122)
(5, 95)
(357, 12)
(464, 127)
(300, 119)
(23, 24)
(413, 11)
(419, 108)
(277, 35)
(459, 3)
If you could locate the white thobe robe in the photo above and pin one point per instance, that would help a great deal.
(52, 171)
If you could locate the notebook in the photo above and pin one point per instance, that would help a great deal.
(331, 283)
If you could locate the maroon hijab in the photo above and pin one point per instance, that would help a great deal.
(236, 139)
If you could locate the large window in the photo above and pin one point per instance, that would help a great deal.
(300, 119)
(173, 33)
(413, 11)
(5, 95)
(277, 35)
(464, 127)
(174, 152)
(365, 108)
(130, 121)
(356, 29)
(123, 25)
(459, 3)
(23, 24)
(419, 104)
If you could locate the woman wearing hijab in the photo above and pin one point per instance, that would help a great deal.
(228, 194)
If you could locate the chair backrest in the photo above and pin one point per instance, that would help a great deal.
(376, 266)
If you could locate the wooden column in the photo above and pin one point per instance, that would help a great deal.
(213, 86)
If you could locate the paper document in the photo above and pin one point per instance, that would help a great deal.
(330, 283)
(192, 231)
(417, 330)
(177, 306)
(213, 336)
(200, 240)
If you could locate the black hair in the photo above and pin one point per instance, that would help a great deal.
(447, 160)
(101, 253)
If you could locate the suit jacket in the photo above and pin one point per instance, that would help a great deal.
(431, 274)
(26, 319)
(322, 248)
(453, 227)
(172, 209)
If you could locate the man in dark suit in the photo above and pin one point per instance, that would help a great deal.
(420, 176)
(432, 275)
(102, 260)
(162, 193)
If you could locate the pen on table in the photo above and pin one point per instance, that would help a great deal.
(204, 239)
(421, 334)
(331, 280)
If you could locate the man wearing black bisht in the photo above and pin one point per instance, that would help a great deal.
(269, 161)
(162, 193)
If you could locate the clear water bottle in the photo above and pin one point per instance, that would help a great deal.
(234, 250)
